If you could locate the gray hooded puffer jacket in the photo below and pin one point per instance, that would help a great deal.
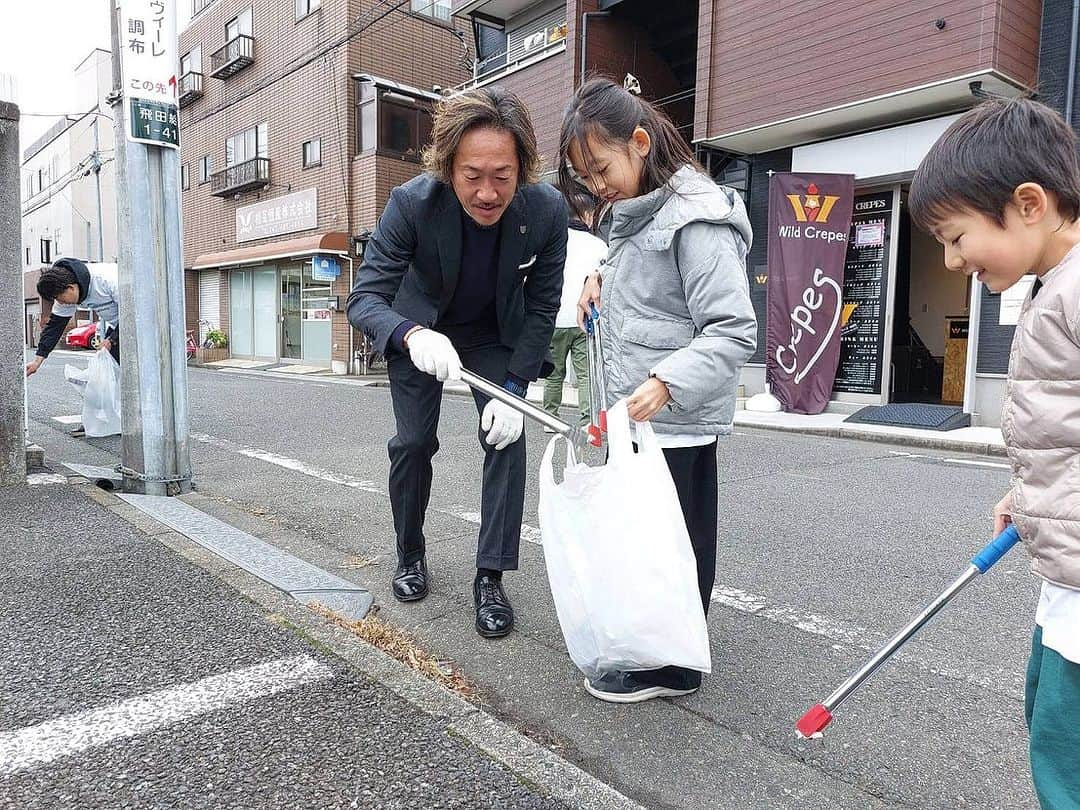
(676, 302)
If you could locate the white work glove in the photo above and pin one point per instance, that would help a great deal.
(432, 353)
(502, 423)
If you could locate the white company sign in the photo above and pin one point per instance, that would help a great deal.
(298, 211)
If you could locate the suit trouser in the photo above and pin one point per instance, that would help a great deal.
(417, 398)
(693, 469)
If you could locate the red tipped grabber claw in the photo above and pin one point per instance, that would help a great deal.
(577, 437)
(813, 723)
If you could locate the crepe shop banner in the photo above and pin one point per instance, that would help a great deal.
(809, 224)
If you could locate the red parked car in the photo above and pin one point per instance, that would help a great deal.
(81, 337)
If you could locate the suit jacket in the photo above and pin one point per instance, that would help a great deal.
(413, 259)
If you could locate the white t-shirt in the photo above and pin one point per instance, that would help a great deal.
(584, 254)
(1058, 615)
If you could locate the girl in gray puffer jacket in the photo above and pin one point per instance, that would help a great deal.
(679, 324)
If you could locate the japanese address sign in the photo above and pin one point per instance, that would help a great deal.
(149, 61)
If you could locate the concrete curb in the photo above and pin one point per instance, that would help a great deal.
(921, 442)
(530, 762)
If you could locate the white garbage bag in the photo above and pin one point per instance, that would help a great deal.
(101, 397)
(622, 570)
(76, 376)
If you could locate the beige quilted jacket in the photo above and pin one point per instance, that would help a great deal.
(1041, 424)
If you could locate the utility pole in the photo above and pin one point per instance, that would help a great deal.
(97, 185)
(12, 356)
(155, 452)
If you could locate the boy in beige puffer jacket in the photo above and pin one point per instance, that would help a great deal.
(1001, 191)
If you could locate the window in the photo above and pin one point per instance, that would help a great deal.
(191, 62)
(185, 177)
(247, 145)
(490, 47)
(199, 5)
(46, 251)
(305, 7)
(392, 122)
(204, 169)
(437, 9)
(28, 257)
(238, 25)
(365, 126)
(312, 152)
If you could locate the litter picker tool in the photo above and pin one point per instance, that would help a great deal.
(577, 437)
(597, 385)
(813, 723)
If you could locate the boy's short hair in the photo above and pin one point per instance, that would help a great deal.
(54, 280)
(989, 151)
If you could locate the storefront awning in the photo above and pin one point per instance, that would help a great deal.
(332, 242)
(911, 104)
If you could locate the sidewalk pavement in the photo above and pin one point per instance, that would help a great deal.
(134, 677)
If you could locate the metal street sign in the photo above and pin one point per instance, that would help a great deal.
(149, 61)
(154, 122)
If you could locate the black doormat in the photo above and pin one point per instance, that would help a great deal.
(913, 415)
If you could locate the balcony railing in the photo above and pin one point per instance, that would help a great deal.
(250, 174)
(495, 66)
(238, 53)
(190, 87)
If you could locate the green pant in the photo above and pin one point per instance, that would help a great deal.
(1052, 709)
(568, 341)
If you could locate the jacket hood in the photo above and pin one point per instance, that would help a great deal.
(82, 275)
(689, 196)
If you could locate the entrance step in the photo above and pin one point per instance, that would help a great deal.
(293, 368)
(235, 362)
(913, 415)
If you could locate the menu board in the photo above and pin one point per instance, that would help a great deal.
(862, 335)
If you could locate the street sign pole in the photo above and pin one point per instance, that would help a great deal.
(155, 451)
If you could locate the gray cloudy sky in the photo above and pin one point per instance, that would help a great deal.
(41, 42)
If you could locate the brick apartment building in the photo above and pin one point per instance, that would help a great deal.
(297, 118)
(859, 88)
(856, 88)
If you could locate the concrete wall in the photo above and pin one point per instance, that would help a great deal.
(12, 379)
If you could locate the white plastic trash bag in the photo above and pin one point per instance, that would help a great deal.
(622, 570)
(76, 376)
(101, 397)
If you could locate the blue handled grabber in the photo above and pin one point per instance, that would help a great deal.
(814, 721)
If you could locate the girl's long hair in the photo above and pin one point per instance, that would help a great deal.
(610, 114)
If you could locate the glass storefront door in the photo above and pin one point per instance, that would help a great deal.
(318, 318)
(291, 334)
(253, 312)
(280, 313)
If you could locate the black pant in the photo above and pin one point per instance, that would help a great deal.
(417, 398)
(694, 471)
(114, 336)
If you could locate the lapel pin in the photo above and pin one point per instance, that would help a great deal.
(524, 228)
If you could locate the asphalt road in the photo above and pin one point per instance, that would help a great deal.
(827, 547)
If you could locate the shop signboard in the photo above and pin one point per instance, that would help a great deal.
(149, 60)
(294, 212)
(862, 334)
(325, 268)
(809, 223)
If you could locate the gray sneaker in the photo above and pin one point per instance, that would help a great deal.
(624, 687)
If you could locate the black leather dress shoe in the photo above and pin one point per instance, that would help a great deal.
(410, 582)
(494, 615)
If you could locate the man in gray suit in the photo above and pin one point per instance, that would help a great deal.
(465, 268)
